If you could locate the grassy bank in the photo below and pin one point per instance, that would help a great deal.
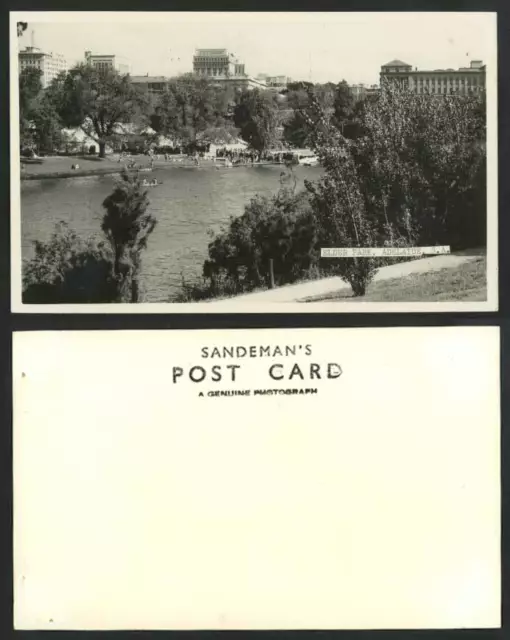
(75, 173)
(60, 166)
(465, 283)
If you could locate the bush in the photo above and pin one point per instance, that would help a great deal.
(279, 228)
(68, 270)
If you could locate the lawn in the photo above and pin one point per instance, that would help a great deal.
(467, 282)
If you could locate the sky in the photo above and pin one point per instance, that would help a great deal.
(318, 47)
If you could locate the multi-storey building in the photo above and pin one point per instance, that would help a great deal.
(278, 82)
(154, 85)
(107, 61)
(360, 91)
(48, 63)
(218, 65)
(463, 81)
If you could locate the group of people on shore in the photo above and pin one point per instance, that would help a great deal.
(245, 156)
(231, 156)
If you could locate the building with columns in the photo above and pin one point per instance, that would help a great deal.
(222, 67)
(217, 63)
(462, 81)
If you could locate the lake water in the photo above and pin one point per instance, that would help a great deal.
(191, 203)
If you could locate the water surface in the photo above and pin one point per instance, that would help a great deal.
(191, 204)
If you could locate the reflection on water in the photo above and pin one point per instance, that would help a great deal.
(189, 204)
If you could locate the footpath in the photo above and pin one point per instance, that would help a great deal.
(315, 288)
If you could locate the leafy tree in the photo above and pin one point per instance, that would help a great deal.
(296, 131)
(340, 209)
(427, 164)
(416, 174)
(99, 101)
(30, 87)
(21, 27)
(193, 110)
(127, 226)
(257, 117)
(40, 124)
(344, 107)
(299, 85)
(69, 270)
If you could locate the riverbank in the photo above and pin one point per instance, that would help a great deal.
(54, 167)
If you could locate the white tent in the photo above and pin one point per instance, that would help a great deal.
(78, 139)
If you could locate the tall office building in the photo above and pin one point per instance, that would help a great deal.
(48, 63)
(107, 61)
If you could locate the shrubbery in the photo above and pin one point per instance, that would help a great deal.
(280, 228)
(68, 269)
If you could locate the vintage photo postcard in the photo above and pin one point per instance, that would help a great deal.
(220, 162)
(263, 479)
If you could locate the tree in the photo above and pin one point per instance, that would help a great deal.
(40, 124)
(297, 129)
(193, 110)
(257, 117)
(30, 87)
(127, 226)
(341, 213)
(98, 101)
(415, 175)
(21, 27)
(426, 162)
(68, 270)
(344, 106)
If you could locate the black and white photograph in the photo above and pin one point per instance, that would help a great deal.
(253, 162)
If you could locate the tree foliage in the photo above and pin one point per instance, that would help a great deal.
(66, 269)
(257, 117)
(192, 110)
(279, 228)
(30, 87)
(127, 225)
(40, 125)
(416, 175)
(335, 100)
(99, 101)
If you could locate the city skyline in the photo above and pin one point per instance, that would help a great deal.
(315, 47)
